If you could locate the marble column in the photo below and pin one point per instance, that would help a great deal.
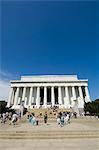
(30, 96)
(19, 101)
(25, 102)
(33, 100)
(59, 96)
(87, 97)
(38, 97)
(10, 97)
(16, 96)
(66, 98)
(73, 98)
(80, 92)
(45, 97)
(80, 98)
(73, 92)
(52, 96)
(24, 93)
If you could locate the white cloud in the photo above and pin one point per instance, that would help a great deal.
(5, 75)
(4, 89)
(5, 78)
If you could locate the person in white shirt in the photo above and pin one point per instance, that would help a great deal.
(3, 117)
(14, 118)
(66, 119)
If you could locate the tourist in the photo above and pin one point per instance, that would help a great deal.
(60, 113)
(37, 120)
(58, 117)
(70, 114)
(0, 115)
(66, 119)
(29, 118)
(10, 117)
(33, 120)
(14, 118)
(75, 115)
(28, 115)
(45, 118)
(7, 115)
(62, 121)
(3, 118)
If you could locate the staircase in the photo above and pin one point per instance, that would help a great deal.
(48, 134)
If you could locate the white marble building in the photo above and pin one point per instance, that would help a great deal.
(44, 91)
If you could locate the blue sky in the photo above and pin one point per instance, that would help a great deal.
(51, 38)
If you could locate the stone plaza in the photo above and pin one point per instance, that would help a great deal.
(81, 133)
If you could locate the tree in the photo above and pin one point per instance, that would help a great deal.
(3, 106)
(92, 107)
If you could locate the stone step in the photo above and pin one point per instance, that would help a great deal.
(48, 134)
(72, 120)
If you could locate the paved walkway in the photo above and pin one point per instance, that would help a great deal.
(52, 144)
(80, 124)
(60, 144)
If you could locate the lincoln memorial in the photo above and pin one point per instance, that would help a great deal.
(43, 91)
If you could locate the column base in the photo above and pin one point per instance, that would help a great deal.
(73, 100)
(66, 102)
(67, 107)
(80, 102)
(81, 111)
(44, 106)
(37, 103)
(87, 99)
(61, 106)
(8, 105)
(15, 107)
(37, 106)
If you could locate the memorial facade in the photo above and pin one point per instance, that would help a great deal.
(43, 91)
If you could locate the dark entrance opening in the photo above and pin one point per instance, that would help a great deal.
(49, 95)
(83, 91)
(77, 91)
(41, 95)
(56, 95)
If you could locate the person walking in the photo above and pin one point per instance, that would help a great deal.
(14, 118)
(45, 118)
(4, 118)
(62, 121)
(58, 117)
(37, 120)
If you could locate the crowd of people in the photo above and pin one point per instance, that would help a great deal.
(10, 117)
(62, 118)
(34, 120)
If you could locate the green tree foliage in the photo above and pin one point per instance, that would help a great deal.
(3, 106)
(92, 107)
